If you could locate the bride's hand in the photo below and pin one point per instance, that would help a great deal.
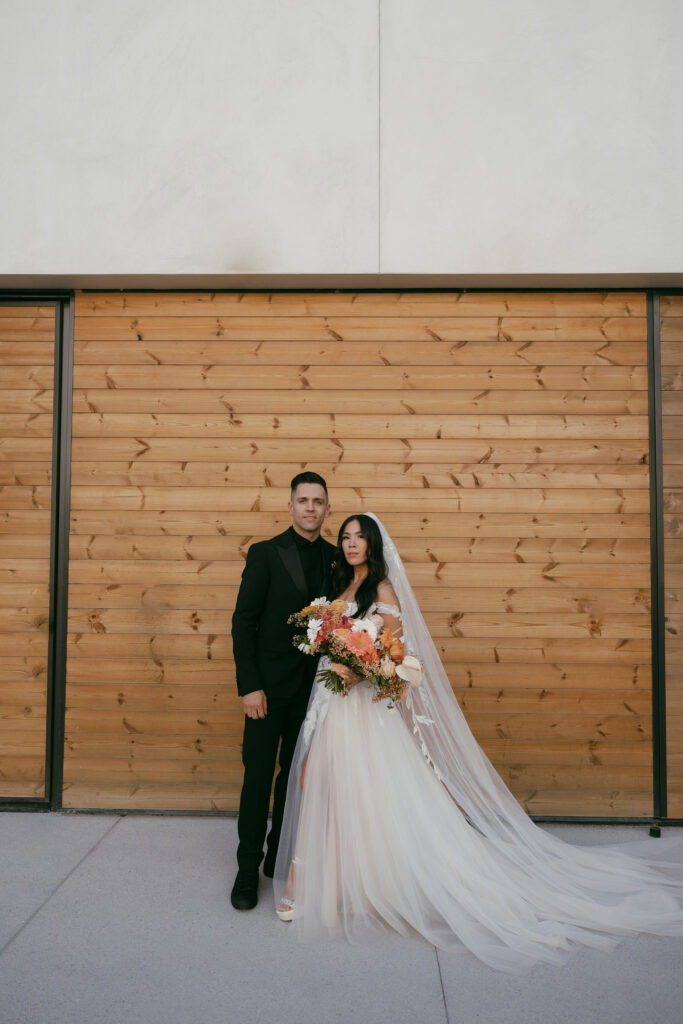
(348, 675)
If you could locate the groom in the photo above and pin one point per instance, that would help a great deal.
(274, 679)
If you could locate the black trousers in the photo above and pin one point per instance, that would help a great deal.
(259, 753)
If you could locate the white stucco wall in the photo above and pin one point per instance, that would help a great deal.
(232, 137)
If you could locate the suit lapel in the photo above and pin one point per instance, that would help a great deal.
(292, 563)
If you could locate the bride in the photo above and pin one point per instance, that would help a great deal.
(396, 820)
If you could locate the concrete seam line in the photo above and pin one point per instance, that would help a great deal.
(443, 991)
(58, 886)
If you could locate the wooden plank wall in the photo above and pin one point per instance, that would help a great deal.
(503, 439)
(671, 326)
(27, 336)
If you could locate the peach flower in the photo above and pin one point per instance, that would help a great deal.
(362, 645)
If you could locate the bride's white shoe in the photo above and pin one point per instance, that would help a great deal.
(285, 911)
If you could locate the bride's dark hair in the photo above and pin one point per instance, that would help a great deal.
(342, 572)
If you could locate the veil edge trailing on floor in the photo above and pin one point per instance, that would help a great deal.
(630, 885)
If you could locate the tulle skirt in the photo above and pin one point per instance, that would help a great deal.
(378, 843)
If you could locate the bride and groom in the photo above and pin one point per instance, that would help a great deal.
(402, 823)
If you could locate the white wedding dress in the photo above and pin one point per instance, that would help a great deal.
(403, 824)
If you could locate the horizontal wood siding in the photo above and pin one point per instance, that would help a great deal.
(671, 326)
(503, 439)
(26, 373)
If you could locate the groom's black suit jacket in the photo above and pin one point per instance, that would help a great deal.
(273, 587)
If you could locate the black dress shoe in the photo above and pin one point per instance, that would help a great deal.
(244, 895)
(269, 866)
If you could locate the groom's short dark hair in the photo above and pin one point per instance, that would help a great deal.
(308, 478)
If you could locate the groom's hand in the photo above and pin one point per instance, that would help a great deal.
(255, 704)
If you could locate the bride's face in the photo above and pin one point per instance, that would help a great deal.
(354, 545)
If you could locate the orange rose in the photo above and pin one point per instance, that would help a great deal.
(386, 639)
(371, 658)
(397, 651)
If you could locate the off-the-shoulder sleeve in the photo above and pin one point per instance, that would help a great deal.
(388, 609)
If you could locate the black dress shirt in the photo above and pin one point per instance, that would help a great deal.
(311, 554)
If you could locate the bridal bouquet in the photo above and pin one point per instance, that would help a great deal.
(363, 645)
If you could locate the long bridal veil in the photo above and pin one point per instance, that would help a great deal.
(578, 892)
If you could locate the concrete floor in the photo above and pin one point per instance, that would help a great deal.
(110, 919)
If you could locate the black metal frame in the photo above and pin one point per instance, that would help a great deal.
(60, 541)
(63, 303)
(60, 548)
(659, 772)
(659, 747)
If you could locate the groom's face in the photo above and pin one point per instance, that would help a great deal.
(308, 508)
